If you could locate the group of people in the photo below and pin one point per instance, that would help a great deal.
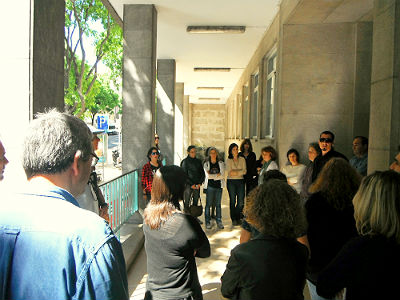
(343, 240)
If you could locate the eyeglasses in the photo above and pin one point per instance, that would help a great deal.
(326, 140)
(95, 158)
(154, 153)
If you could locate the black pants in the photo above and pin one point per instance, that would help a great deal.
(188, 193)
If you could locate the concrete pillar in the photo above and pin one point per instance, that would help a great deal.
(179, 98)
(31, 70)
(362, 80)
(139, 81)
(165, 107)
(384, 129)
(186, 125)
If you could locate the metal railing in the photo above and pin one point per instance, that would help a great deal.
(121, 194)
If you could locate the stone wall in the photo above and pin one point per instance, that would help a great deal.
(208, 125)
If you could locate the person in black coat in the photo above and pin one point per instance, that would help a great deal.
(251, 176)
(172, 240)
(326, 139)
(272, 265)
(195, 178)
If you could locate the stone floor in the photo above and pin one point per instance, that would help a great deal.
(210, 269)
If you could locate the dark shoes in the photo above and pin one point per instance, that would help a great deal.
(236, 222)
(208, 226)
(220, 226)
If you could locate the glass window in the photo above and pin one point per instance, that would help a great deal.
(268, 101)
(245, 116)
(254, 107)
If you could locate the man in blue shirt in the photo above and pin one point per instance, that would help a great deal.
(360, 159)
(49, 247)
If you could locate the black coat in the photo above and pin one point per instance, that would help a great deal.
(266, 268)
(321, 160)
(194, 170)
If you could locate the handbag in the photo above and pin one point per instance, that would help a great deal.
(195, 210)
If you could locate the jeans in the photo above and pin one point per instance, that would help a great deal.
(213, 195)
(314, 296)
(187, 195)
(236, 198)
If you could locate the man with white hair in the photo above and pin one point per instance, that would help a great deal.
(50, 247)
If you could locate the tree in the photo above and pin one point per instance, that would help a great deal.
(105, 100)
(82, 17)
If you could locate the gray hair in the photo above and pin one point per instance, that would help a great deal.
(51, 142)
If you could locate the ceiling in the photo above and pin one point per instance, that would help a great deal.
(208, 50)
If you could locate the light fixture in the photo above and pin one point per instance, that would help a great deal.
(216, 29)
(210, 88)
(212, 69)
(213, 99)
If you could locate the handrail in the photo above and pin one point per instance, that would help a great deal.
(105, 182)
(121, 194)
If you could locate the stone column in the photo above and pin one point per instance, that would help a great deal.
(139, 80)
(179, 97)
(31, 70)
(384, 129)
(186, 124)
(165, 107)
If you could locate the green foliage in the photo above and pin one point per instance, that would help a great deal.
(89, 21)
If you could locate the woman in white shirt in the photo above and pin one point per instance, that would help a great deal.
(294, 170)
(235, 168)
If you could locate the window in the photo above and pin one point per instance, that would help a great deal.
(254, 106)
(268, 101)
(245, 116)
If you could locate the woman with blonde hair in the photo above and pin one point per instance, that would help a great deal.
(367, 265)
(273, 264)
(172, 240)
(329, 212)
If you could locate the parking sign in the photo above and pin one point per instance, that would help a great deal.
(102, 122)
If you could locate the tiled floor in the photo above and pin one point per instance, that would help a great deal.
(210, 269)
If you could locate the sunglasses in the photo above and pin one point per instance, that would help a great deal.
(154, 153)
(326, 140)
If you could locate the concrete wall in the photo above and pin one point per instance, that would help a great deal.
(316, 85)
(48, 55)
(208, 125)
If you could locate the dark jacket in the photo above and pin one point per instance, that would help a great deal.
(328, 230)
(266, 268)
(250, 166)
(321, 160)
(171, 264)
(367, 267)
(194, 170)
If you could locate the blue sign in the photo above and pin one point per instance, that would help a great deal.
(102, 122)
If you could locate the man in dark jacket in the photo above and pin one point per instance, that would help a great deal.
(326, 139)
(195, 177)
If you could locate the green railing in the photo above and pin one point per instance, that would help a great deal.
(121, 194)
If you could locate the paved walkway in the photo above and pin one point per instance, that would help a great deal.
(209, 269)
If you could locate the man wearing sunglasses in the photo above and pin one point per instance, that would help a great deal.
(325, 142)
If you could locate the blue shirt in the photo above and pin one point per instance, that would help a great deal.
(52, 249)
(360, 164)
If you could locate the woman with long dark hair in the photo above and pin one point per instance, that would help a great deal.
(236, 168)
(266, 162)
(330, 216)
(148, 171)
(250, 178)
(172, 240)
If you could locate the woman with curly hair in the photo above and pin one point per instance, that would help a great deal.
(273, 264)
(366, 265)
(172, 240)
(329, 212)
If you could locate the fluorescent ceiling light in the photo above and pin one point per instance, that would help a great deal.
(209, 98)
(212, 69)
(216, 29)
(210, 87)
